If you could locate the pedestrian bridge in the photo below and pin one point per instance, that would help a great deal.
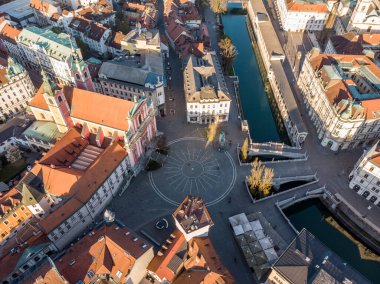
(276, 150)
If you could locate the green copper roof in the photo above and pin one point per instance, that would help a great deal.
(45, 131)
(13, 68)
(58, 46)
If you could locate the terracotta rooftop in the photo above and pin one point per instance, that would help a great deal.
(106, 250)
(203, 265)
(295, 6)
(9, 33)
(9, 200)
(169, 260)
(92, 107)
(46, 274)
(192, 214)
(80, 185)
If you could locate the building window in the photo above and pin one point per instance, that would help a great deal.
(77, 75)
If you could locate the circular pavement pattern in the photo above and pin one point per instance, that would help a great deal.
(194, 168)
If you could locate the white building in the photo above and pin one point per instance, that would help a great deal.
(206, 93)
(141, 39)
(93, 34)
(57, 54)
(134, 77)
(342, 95)
(365, 177)
(16, 89)
(192, 218)
(299, 15)
(365, 17)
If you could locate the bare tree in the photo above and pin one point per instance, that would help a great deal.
(228, 52)
(255, 176)
(218, 6)
(13, 154)
(211, 132)
(244, 150)
(266, 182)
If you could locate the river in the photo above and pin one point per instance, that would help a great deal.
(254, 101)
(258, 112)
(310, 214)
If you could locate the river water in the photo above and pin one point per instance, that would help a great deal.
(258, 112)
(310, 214)
(254, 101)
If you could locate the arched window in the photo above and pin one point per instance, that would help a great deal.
(85, 74)
(140, 120)
(60, 99)
(77, 75)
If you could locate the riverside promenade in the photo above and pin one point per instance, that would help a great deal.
(332, 169)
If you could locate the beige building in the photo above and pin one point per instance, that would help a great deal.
(298, 15)
(365, 177)
(342, 95)
(365, 17)
(207, 96)
(16, 89)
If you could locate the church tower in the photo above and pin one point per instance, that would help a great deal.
(80, 71)
(56, 101)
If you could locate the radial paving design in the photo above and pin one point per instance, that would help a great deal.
(193, 168)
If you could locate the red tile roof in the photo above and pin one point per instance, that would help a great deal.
(9, 33)
(63, 180)
(302, 7)
(106, 250)
(92, 107)
(159, 264)
(192, 214)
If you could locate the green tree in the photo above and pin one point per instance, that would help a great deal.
(228, 52)
(244, 150)
(218, 6)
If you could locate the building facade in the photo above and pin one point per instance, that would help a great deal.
(365, 177)
(56, 54)
(342, 96)
(16, 89)
(135, 77)
(298, 16)
(134, 123)
(365, 17)
(206, 93)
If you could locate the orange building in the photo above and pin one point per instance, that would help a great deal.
(109, 253)
(13, 214)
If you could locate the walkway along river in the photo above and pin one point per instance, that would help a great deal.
(257, 109)
(265, 125)
(310, 214)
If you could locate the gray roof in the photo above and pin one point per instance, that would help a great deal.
(141, 69)
(204, 79)
(308, 260)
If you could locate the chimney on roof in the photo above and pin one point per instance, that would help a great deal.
(99, 137)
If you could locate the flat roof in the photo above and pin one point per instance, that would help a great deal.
(17, 8)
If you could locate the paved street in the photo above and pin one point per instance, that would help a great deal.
(194, 168)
